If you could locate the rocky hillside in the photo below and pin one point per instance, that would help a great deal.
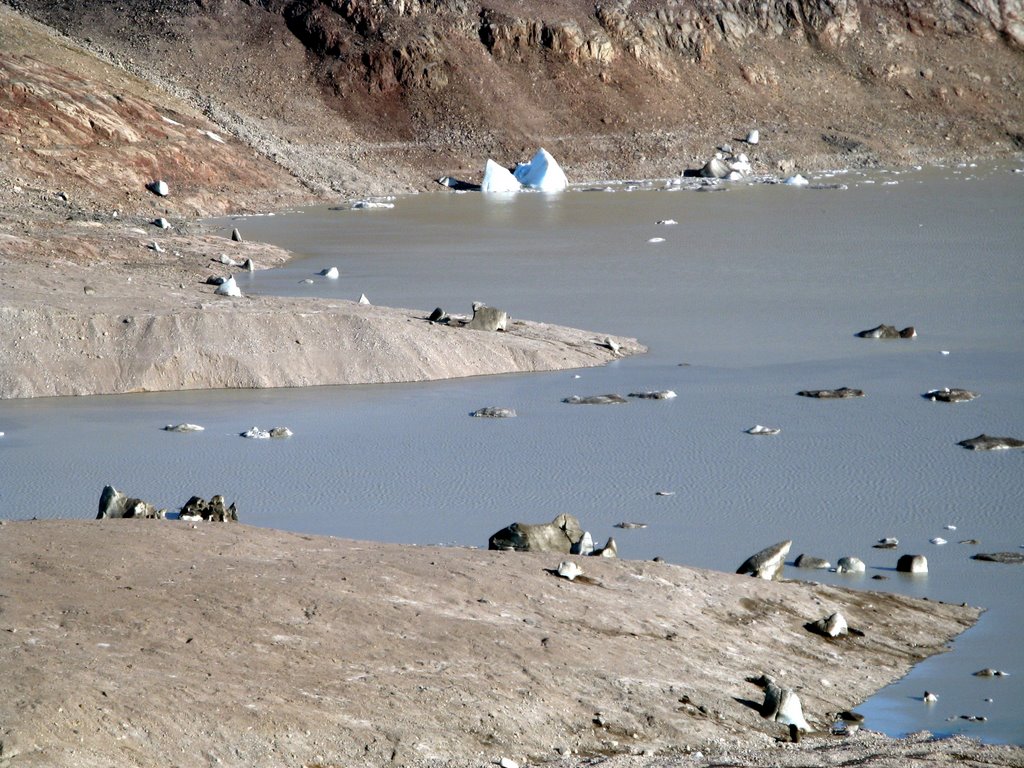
(357, 96)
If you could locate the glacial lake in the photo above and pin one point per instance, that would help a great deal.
(755, 294)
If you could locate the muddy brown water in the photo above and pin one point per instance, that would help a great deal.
(756, 293)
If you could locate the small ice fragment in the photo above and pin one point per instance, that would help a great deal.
(330, 273)
(950, 527)
(183, 428)
(938, 541)
(212, 136)
(257, 434)
(945, 351)
(762, 430)
(796, 180)
(367, 205)
(656, 240)
(169, 121)
(664, 493)
(363, 299)
(668, 222)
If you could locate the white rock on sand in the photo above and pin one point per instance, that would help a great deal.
(229, 288)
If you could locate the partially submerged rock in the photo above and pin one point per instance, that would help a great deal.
(888, 332)
(850, 564)
(557, 536)
(197, 508)
(1008, 558)
(985, 442)
(831, 394)
(113, 504)
(810, 561)
(183, 428)
(494, 412)
(331, 273)
(256, 433)
(595, 400)
(767, 564)
(947, 395)
(660, 394)
(912, 564)
(989, 672)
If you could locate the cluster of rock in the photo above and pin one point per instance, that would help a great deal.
(114, 504)
(564, 534)
(484, 318)
(214, 510)
(726, 164)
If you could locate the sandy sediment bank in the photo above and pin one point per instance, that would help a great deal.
(100, 311)
(165, 643)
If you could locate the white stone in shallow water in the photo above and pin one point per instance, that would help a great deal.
(498, 179)
(850, 565)
(796, 180)
(331, 273)
(542, 172)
